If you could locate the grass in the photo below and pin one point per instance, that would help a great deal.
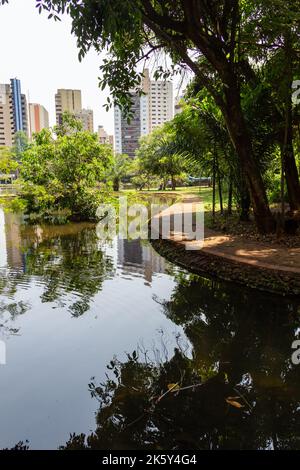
(204, 192)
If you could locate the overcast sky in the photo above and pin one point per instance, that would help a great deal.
(43, 55)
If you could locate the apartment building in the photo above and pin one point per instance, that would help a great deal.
(38, 117)
(13, 112)
(67, 100)
(86, 116)
(150, 109)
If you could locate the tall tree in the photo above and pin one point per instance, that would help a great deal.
(275, 35)
(200, 35)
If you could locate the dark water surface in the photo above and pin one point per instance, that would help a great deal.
(71, 305)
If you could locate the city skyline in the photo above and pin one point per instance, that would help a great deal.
(49, 63)
(150, 110)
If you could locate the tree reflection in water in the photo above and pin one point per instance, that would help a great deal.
(250, 392)
(67, 262)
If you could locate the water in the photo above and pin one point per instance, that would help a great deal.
(69, 305)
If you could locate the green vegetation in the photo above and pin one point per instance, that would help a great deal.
(243, 391)
(158, 157)
(240, 125)
(63, 178)
(238, 52)
(8, 164)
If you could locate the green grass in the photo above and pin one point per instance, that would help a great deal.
(204, 192)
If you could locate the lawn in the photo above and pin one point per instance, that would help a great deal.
(204, 192)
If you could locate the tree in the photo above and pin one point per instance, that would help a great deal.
(8, 164)
(203, 37)
(20, 144)
(158, 156)
(121, 167)
(64, 174)
(275, 39)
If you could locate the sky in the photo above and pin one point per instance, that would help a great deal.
(42, 53)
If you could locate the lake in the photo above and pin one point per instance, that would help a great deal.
(70, 305)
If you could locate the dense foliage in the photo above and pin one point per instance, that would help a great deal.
(219, 42)
(63, 177)
(8, 164)
(158, 156)
(243, 54)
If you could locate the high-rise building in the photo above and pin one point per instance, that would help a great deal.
(38, 118)
(6, 117)
(160, 103)
(13, 112)
(150, 109)
(127, 134)
(86, 116)
(67, 101)
(104, 137)
(19, 103)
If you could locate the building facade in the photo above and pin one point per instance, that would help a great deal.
(86, 116)
(38, 118)
(127, 134)
(67, 100)
(6, 117)
(13, 112)
(104, 137)
(160, 103)
(19, 104)
(150, 109)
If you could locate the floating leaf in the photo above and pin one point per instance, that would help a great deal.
(234, 403)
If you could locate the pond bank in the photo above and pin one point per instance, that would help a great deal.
(269, 267)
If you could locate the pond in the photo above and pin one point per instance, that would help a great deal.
(70, 305)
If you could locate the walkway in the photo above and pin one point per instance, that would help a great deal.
(230, 249)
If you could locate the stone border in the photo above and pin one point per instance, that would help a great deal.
(203, 263)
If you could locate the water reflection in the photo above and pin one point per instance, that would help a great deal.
(246, 394)
(69, 305)
(69, 261)
(136, 257)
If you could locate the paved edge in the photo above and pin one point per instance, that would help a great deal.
(276, 279)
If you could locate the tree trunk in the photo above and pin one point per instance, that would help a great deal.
(214, 187)
(173, 182)
(238, 131)
(245, 205)
(220, 194)
(289, 163)
(219, 185)
(116, 184)
(288, 157)
(230, 191)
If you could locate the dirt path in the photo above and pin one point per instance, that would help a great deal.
(229, 247)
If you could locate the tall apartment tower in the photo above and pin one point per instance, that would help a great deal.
(67, 100)
(19, 103)
(86, 116)
(150, 110)
(127, 135)
(38, 118)
(161, 106)
(13, 112)
(6, 117)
